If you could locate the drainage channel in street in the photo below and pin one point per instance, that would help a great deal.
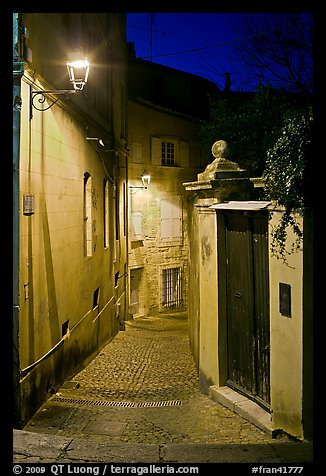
(106, 403)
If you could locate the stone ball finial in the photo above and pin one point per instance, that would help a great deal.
(221, 167)
(220, 149)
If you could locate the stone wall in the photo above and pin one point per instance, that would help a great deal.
(152, 253)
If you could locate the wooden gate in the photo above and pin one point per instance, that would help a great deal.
(248, 304)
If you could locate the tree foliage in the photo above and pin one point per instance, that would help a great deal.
(287, 176)
(269, 134)
(250, 123)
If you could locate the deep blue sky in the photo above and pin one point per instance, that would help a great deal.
(178, 32)
(211, 36)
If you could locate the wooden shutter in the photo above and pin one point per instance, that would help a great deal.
(136, 226)
(137, 156)
(171, 219)
(184, 154)
(156, 151)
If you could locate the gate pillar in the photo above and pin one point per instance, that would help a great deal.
(222, 180)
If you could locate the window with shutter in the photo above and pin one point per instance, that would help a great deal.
(184, 154)
(137, 156)
(136, 226)
(88, 235)
(171, 215)
(169, 152)
(106, 217)
(156, 151)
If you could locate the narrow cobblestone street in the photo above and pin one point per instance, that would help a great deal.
(143, 388)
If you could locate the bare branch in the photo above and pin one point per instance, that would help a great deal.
(277, 49)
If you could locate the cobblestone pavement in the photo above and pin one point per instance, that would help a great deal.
(143, 388)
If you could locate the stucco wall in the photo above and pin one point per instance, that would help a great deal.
(291, 343)
(286, 338)
(208, 336)
(193, 288)
(57, 283)
(70, 304)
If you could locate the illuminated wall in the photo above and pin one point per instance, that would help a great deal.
(72, 205)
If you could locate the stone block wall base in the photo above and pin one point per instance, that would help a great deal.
(243, 406)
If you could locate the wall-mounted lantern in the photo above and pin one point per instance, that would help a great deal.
(104, 143)
(78, 74)
(145, 178)
(96, 139)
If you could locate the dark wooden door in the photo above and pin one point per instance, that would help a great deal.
(248, 304)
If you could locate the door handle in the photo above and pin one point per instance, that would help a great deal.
(238, 294)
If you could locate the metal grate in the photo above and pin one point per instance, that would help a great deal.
(172, 287)
(106, 403)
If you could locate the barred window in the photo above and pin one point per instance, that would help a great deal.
(172, 287)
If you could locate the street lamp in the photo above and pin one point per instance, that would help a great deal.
(78, 74)
(145, 178)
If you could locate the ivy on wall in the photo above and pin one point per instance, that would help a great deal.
(287, 177)
(269, 134)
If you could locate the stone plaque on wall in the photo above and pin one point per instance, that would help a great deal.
(28, 204)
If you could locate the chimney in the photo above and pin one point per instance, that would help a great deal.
(228, 82)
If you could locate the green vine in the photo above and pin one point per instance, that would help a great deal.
(286, 178)
(279, 234)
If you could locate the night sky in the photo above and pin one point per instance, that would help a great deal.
(198, 43)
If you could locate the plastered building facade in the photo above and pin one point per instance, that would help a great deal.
(70, 245)
(250, 313)
(163, 130)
